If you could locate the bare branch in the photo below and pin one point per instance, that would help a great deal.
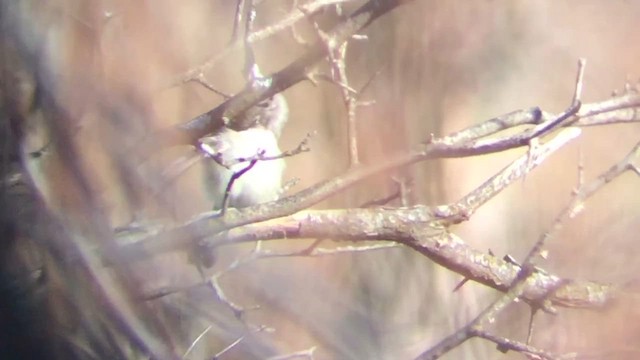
(526, 274)
(577, 95)
(297, 71)
(234, 177)
(497, 124)
(204, 226)
(514, 171)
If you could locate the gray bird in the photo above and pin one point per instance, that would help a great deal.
(263, 181)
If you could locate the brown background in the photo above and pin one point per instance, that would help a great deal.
(445, 65)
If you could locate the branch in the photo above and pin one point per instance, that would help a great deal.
(228, 111)
(259, 35)
(526, 273)
(418, 229)
(217, 154)
(421, 228)
(206, 225)
(425, 229)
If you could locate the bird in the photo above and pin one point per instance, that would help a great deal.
(227, 148)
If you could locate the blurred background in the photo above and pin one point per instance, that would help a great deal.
(440, 66)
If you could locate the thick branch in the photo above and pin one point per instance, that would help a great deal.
(417, 228)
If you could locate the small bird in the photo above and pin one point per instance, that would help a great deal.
(262, 182)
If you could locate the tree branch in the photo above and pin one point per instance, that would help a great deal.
(228, 111)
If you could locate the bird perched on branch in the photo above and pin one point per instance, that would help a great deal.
(245, 156)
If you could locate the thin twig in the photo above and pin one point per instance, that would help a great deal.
(228, 347)
(236, 21)
(195, 342)
(337, 61)
(505, 344)
(234, 177)
(200, 79)
(577, 95)
(216, 155)
(532, 314)
(220, 295)
(306, 354)
(320, 252)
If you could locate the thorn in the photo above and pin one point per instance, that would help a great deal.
(460, 284)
